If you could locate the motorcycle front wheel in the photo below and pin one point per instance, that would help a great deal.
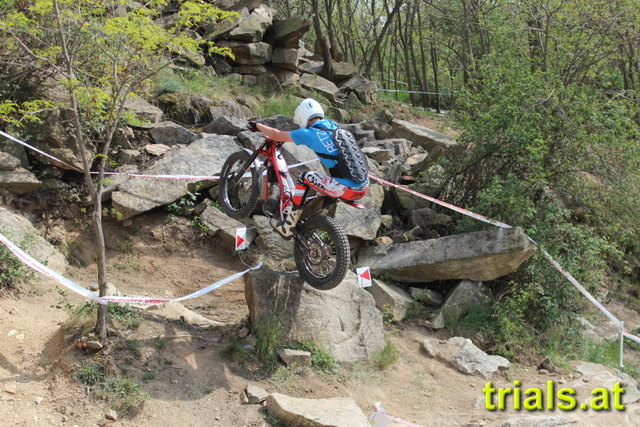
(321, 252)
(238, 195)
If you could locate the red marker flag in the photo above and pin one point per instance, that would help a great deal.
(241, 239)
(364, 277)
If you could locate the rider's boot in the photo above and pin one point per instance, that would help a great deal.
(285, 226)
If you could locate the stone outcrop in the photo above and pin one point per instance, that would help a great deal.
(223, 226)
(464, 297)
(461, 354)
(287, 33)
(170, 133)
(430, 140)
(597, 375)
(202, 157)
(362, 223)
(19, 180)
(144, 110)
(343, 320)
(332, 412)
(21, 232)
(390, 299)
(483, 255)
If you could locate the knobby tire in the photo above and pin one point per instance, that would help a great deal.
(339, 244)
(240, 200)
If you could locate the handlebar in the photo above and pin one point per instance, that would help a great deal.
(252, 126)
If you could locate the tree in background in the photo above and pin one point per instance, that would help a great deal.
(546, 96)
(101, 52)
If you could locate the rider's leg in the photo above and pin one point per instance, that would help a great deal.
(291, 213)
(324, 184)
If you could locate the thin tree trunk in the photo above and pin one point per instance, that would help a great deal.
(434, 66)
(380, 38)
(426, 98)
(327, 68)
(101, 321)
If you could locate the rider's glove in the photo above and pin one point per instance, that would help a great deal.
(252, 126)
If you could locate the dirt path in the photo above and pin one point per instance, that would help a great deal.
(180, 366)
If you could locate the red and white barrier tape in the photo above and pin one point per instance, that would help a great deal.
(71, 285)
(31, 147)
(441, 203)
(458, 209)
(497, 223)
(380, 418)
(135, 175)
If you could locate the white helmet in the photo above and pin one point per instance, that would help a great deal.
(307, 110)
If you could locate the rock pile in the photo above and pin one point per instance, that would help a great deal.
(270, 52)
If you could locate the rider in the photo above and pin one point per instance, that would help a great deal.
(315, 133)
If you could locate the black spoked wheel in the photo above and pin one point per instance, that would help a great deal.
(321, 252)
(238, 195)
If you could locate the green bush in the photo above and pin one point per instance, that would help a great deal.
(123, 394)
(386, 356)
(320, 358)
(12, 271)
(543, 156)
(269, 339)
(235, 351)
(90, 374)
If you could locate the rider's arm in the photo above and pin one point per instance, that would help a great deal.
(275, 134)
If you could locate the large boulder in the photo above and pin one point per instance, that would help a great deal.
(21, 232)
(464, 297)
(285, 58)
(464, 356)
(225, 125)
(362, 223)
(435, 143)
(597, 375)
(390, 299)
(185, 108)
(343, 320)
(323, 86)
(143, 110)
(202, 157)
(248, 53)
(272, 245)
(287, 32)
(252, 28)
(16, 150)
(8, 162)
(481, 256)
(365, 89)
(331, 412)
(235, 5)
(221, 225)
(222, 108)
(170, 133)
(344, 70)
(311, 67)
(19, 180)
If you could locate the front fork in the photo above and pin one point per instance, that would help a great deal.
(317, 205)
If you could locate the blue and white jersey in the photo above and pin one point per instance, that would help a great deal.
(321, 141)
